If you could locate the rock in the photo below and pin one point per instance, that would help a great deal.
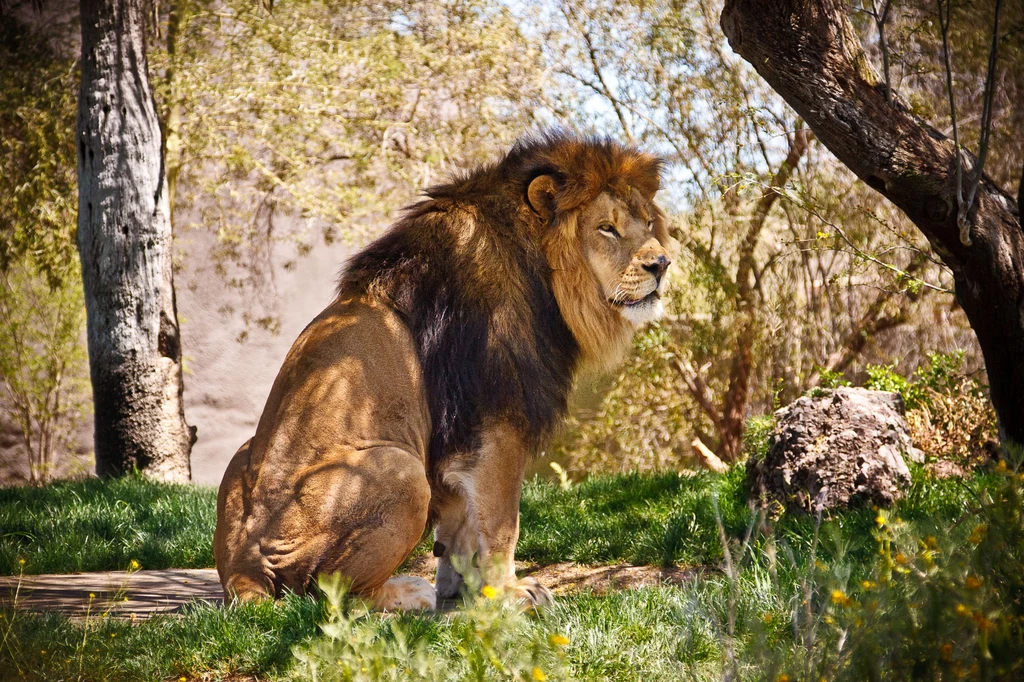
(844, 445)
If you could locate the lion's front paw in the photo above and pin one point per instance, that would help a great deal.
(405, 593)
(531, 594)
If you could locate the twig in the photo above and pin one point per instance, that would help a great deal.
(867, 256)
(965, 234)
(986, 124)
(595, 65)
(880, 19)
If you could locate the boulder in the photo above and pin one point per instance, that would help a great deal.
(838, 448)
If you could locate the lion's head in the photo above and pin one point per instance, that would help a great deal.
(605, 240)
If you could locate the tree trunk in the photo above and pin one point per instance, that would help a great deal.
(808, 52)
(124, 240)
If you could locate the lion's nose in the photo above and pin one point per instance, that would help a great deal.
(658, 266)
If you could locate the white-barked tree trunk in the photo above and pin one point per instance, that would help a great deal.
(124, 240)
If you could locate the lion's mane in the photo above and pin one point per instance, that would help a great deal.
(474, 273)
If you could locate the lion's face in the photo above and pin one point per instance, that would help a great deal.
(608, 259)
(622, 247)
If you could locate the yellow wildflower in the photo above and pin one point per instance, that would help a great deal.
(900, 558)
(489, 592)
(782, 678)
(538, 674)
(962, 610)
(973, 582)
(978, 534)
(839, 597)
(1001, 467)
(880, 520)
(21, 562)
(134, 565)
(981, 621)
(560, 640)
(931, 542)
(92, 595)
(868, 584)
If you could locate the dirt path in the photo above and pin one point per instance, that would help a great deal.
(141, 594)
(134, 595)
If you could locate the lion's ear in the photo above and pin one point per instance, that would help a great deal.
(541, 195)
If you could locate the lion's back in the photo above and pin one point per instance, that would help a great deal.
(352, 376)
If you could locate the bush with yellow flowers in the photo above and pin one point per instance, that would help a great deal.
(487, 638)
(945, 605)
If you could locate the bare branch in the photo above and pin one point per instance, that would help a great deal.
(965, 230)
(699, 390)
(874, 320)
(881, 17)
(595, 66)
(986, 122)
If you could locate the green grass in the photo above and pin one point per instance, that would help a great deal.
(646, 634)
(934, 588)
(95, 525)
(254, 638)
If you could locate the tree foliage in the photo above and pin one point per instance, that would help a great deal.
(788, 265)
(317, 122)
(43, 368)
(37, 153)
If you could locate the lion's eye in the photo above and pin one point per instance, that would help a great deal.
(608, 230)
(650, 224)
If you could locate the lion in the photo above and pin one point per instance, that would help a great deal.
(417, 397)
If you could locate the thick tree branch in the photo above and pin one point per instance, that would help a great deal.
(1020, 187)
(808, 52)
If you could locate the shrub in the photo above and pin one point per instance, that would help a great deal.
(757, 435)
(886, 378)
(942, 603)
(489, 639)
(43, 365)
(954, 419)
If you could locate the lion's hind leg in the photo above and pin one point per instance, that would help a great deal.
(237, 555)
(367, 509)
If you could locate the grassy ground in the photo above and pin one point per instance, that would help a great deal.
(636, 635)
(929, 590)
(646, 634)
(97, 525)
